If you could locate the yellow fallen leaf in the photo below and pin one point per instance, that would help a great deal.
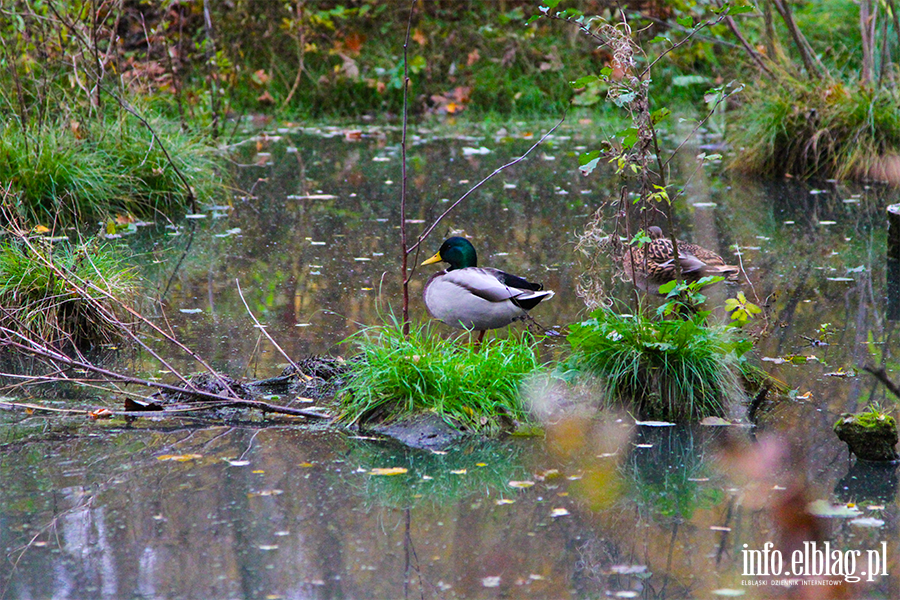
(459, 471)
(521, 484)
(41, 229)
(179, 457)
(503, 501)
(388, 471)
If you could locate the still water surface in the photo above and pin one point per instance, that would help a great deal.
(597, 507)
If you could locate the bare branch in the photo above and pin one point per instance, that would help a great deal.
(496, 171)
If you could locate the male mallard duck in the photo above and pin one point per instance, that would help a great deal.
(468, 296)
(654, 264)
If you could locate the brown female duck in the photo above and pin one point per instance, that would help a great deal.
(654, 264)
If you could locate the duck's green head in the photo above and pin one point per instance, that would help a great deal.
(457, 251)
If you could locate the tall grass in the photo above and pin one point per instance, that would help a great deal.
(476, 390)
(70, 174)
(40, 304)
(674, 370)
(807, 129)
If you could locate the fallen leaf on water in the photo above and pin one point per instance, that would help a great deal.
(179, 457)
(628, 569)
(654, 423)
(715, 422)
(388, 471)
(822, 508)
(273, 492)
(100, 413)
(237, 463)
(521, 484)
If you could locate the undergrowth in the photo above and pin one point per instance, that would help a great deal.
(40, 304)
(475, 390)
(825, 130)
(673, 370)
(67, 173)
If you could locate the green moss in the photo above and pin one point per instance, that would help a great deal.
(871, 435)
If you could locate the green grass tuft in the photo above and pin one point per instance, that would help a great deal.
(475, 390)
(673, 370)
(40, 304)
(64, 175)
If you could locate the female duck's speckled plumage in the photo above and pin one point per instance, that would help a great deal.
(654, 264)
(468, 296)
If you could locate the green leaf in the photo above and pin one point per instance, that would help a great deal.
(660, 38)
(587, 157)
(583, 81)
(667, 287)
(551, 4)
(658, 116)
(532, 19)
(687, 21)
(605, 72)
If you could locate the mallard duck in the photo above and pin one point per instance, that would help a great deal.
(467, 296)
(654, 264)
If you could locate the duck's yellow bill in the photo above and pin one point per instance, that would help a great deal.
(433, 259)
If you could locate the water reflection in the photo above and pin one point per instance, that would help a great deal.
(281, 512)
(598, 508)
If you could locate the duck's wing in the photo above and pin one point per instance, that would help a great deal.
(485, 283)
(689, 263)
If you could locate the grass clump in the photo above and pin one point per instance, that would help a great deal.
(474, 390)
(54, 293)
(672, 370)
(825, 129)
(68, 173)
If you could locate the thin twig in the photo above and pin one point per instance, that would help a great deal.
(404, 253)
(881, 375)
(496, 171)
(262, 328)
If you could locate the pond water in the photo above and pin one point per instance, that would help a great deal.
(596, 507)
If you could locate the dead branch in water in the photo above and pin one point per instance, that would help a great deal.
(55, 357)
(217, 391)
